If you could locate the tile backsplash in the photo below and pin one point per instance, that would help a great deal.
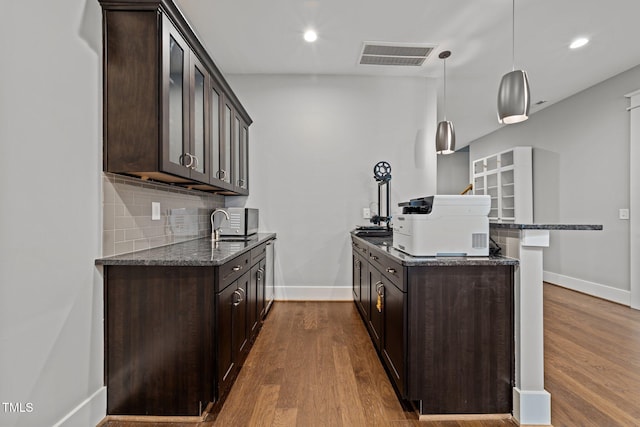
(508, 240)
(127, 223)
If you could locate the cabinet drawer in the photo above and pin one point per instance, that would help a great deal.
(360, 249)
(258, 253)
(233, 269)
(393, 270)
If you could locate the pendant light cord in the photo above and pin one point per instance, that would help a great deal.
(444, 62)
(513, 35)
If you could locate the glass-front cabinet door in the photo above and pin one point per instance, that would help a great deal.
(243, 182)
(215, 146)
(175, 88)
(199, 144)
(225, 162)
(235, 171)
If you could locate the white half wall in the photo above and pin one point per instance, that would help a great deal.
(580, 175)
(313, 145)
(51, 305)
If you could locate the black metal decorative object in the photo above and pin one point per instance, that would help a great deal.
(382, 174)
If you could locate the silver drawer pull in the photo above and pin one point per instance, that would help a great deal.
(391, 270)
(373, 257)
(237, 268)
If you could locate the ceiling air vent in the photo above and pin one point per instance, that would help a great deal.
(405, 54)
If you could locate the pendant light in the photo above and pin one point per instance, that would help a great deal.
(514, 98)
(445, 135)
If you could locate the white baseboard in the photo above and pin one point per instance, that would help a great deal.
(590, 288)
(88, 413)
(313, 293)
(532, 407)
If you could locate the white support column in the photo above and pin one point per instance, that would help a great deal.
(634, 198)
(531, 402)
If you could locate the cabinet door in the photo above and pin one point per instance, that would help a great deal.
(365, 288)
(175, 102)
(393, 333)
(239, 321)
(252, 301)
(227, 299)
(199, 138)
(261, 288)
(243, 182)
(357, 278)
(376, 306)
(225, 152)
(235, 149)
(215, 139)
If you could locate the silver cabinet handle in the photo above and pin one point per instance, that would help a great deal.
(237, 268)
(221, 175)
(197, 162)
(373, 257)
(188, 165)
(237, 303)
(244, 293)
(391, 270)
(260, 273)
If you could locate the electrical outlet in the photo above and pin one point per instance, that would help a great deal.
(623, 214)
(366, 213)
(155, 211)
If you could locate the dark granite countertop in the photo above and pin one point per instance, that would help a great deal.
(545, 226)
(385, 244)
(198, 252)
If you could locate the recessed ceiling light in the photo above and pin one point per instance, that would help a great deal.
(578, 43)
(310, 36)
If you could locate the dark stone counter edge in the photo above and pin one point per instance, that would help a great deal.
(198, 253)
(385, 244)
(545, 226)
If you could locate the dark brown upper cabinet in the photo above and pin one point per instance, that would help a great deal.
(169, 114)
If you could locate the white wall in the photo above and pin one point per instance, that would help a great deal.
(453, 172)
(581, 175)
(313, 145)
(51, 354)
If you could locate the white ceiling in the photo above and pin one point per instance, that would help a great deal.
(265, 37)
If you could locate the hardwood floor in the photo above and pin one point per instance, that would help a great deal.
(313, 364)
(592, 360)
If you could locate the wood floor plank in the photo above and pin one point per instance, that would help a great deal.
(351, 411)
(264, 410)
(285, 417)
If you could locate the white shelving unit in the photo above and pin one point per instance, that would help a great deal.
(507, 177)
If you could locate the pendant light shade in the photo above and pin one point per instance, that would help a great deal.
(514, 97)
(445, 138)
(445, 135)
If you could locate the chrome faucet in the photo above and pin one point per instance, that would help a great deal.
(215, 232)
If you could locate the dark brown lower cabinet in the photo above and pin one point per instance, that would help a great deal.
(376, 307)
(445, 334)
(159, 338)
(176, 336)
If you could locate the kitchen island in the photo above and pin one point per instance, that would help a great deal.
(443, 327)
(181, 318)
